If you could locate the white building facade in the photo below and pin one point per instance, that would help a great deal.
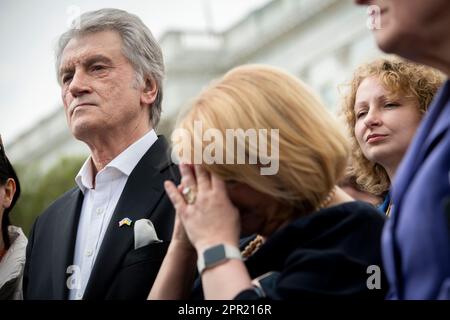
(320, 41)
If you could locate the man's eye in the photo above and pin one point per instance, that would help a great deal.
(67, 78)
(97, 67)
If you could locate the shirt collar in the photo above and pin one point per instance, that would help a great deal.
(84, 176)
(125, 162)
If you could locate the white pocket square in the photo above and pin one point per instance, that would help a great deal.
(144, 233)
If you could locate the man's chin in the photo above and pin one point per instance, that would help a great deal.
(386, 41)
(82, 130)
(395, 42)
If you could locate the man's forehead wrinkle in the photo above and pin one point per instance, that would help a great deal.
(76, 54)
(70, 62)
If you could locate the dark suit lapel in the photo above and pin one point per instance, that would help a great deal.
(64, 246)
(141, 194)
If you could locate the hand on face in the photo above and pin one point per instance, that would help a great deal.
(211, 219)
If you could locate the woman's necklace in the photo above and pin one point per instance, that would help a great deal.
(253, 246)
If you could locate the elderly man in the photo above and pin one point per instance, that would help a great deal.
(416, 240)
(106, 238)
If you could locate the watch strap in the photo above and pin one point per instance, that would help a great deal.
(216, 255)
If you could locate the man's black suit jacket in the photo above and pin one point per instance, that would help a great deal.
(120, 271)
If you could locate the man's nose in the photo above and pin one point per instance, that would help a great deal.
(79, 84)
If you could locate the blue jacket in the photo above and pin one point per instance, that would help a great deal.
(416, 241)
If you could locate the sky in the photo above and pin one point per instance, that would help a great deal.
(29, 30)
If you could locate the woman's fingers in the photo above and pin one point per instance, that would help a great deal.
(187, 176)
(203, 178)
(174, 195)
(217, 183)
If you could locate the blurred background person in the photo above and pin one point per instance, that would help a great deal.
(307, 226)
(12, 240)
(416, 246)
(386, 101)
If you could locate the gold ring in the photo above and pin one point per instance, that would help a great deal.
(189, 195)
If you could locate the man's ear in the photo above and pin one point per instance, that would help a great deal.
(149, 92)
(10, 190)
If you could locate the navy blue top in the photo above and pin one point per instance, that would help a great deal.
(328, 254)
(385, 205)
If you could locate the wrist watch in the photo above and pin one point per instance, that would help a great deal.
(216, 255)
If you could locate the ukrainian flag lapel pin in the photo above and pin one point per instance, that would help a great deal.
(126, 221)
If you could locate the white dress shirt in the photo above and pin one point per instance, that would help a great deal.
(98, 207)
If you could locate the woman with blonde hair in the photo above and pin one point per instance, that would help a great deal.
(383, 108)
(313, 240)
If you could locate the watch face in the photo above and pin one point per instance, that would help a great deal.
(214, 255)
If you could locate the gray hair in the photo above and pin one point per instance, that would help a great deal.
(139, 46)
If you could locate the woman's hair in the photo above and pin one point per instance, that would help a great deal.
(6, 172)
(312, 151)
(399, 77)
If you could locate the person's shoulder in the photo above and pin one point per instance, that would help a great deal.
(159, 157)
(57, 210)
(357, 209)
(57, 206)
(342, 220)
(17, 235)
(349, 217)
